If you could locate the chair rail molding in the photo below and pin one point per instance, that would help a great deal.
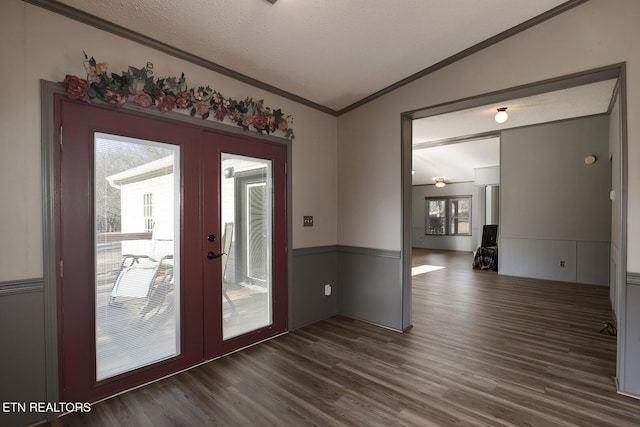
(24, 286)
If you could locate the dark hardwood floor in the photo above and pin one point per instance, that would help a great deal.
(485, 350)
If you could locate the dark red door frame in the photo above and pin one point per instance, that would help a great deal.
(212, 155)
(200, 311)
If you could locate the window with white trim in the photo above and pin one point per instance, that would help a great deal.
(448, 216)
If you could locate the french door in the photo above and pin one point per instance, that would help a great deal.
(171, 250)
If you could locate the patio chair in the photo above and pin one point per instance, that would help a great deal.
(146, 276)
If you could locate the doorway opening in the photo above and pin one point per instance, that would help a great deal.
(616, 109)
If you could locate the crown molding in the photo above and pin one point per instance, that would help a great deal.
(467, 52)
(94, 21)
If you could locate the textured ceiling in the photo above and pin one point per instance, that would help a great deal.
(434, 157)
(331, 52)
(577, 101)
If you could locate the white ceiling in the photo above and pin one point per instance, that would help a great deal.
(456, 161)
(335, 53)
(578, 101)
(331, 52)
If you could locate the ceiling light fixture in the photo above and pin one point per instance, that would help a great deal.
(501, 115)
(440, 182)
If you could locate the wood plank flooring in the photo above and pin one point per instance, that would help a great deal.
(485, 350)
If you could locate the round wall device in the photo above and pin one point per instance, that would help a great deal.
(590, 160)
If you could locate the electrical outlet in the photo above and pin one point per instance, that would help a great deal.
(327, 290)
(562, 264)
(307, 221)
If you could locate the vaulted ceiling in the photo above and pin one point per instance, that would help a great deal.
(333, 53)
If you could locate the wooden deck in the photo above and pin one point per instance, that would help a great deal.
(485, 350)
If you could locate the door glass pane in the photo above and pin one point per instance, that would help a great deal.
(137, 241)
(246, 212)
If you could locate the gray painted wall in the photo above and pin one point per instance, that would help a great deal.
(554, 207)
(615, 274)
(22, 354)
(369, 287)
(313, 268)
(631, 346)
(363, 283)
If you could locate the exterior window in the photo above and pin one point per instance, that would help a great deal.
(448, 216)
(147, 206)
(436, 217)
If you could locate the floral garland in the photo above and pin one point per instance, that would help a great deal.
(139, 86)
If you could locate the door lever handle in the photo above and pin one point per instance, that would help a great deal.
(212, 255)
